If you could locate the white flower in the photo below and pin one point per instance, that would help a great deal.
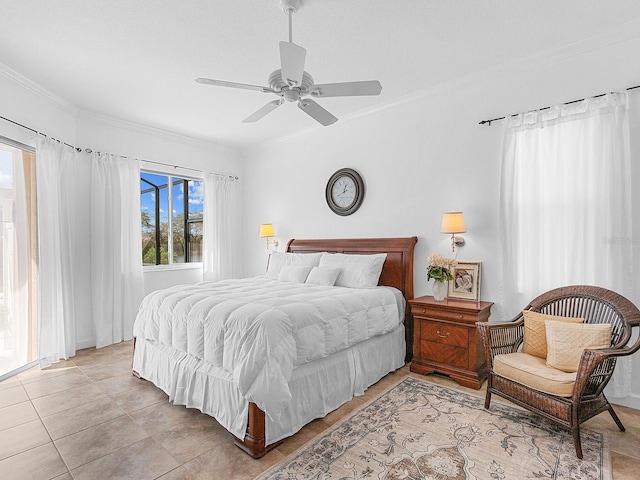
(439, 267)
(437, 260)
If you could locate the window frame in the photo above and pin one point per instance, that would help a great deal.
(172, 175)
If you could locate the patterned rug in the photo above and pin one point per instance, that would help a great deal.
(419, 430)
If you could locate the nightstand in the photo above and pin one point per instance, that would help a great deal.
(445, 339)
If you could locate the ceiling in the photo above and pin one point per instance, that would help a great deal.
(137, 60)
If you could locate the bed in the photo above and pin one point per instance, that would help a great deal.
(269, 378)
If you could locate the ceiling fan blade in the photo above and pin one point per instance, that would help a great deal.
(223, 83)
(268, 108)
(346, 89)
(316, 112)
(292, 59)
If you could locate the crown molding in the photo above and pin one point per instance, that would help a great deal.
(79, 113)
(157, 132)
(36, 89)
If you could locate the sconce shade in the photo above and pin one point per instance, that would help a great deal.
(453, 222)
(266, 230)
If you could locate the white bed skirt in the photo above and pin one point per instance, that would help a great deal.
(317, 388)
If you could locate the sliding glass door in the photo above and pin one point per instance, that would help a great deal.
(18, 300)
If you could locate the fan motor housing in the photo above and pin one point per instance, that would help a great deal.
(289, 93)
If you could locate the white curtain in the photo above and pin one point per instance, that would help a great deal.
(116, 247)
(57, 243)
(565, 207)
(220, 227)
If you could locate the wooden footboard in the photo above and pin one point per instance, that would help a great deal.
(135, 374)
(254, 442)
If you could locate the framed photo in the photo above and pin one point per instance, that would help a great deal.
(466, 281)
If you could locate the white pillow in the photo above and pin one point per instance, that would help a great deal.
(356, 271)
(323, 276)
(277, 260)
(294, 273)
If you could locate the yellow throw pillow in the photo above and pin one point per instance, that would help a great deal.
(566, 341)
(535, 333)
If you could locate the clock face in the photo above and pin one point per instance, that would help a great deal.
(345, 191)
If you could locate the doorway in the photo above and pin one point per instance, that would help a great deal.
(18, 296)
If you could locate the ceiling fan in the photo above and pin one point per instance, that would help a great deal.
(293, 84)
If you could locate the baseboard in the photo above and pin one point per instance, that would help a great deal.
(87, 343)
(631, 401)
(18, 370)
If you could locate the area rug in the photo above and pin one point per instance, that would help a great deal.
(420, 430)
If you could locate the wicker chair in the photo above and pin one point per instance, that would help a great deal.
(595, 305)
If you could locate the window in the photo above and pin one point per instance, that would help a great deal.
(171, 218)
(566, 199)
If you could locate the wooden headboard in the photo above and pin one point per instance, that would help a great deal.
(397, 270)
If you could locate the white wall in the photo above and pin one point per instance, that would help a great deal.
(428, 155)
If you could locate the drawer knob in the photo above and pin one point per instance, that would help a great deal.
(442, 336)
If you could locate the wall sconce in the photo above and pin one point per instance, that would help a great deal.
(266, 231)
(453, 222)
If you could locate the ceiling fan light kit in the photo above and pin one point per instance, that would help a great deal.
(292, 84)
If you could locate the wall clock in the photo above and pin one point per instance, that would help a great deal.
(345, 191)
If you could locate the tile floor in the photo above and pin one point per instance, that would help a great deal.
(89, 418)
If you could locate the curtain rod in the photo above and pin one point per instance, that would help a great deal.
(547, 108)
(88, 150)
(78, 149)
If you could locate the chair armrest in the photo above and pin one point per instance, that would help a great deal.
(594, 371)
(499, 338)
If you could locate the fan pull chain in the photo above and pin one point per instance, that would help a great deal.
(290, 26)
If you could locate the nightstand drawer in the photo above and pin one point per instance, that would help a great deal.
(420, 311)
(442, 333)
(445, 354)
(456, 316)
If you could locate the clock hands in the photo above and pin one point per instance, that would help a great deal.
(344, 189)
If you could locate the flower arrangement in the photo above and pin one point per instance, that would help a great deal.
(439, 267)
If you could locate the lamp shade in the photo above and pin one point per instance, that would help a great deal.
(266, 230)
(453, 222)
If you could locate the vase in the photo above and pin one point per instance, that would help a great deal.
(439, 291)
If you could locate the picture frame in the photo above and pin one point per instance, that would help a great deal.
(466, 281)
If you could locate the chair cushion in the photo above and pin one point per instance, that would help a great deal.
(534, 372)
(566, 341)
(535, 335)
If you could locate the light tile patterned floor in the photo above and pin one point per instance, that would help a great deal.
(89, 418)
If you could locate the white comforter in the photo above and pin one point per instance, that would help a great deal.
(260, 329)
